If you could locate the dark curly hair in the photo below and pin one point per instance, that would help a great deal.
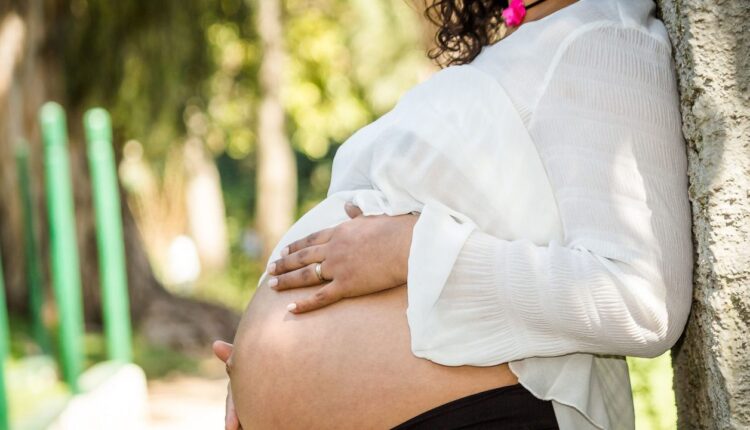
(464, 28)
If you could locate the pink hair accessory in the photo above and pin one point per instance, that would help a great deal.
(514, 13)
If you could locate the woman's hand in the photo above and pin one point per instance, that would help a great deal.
(363, 255)
(223, 351)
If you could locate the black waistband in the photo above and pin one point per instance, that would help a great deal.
(509, 407)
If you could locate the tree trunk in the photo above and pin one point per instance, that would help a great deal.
(277, 170)
(164, 318)
(15, 35)
(205, 206)
(711, 41)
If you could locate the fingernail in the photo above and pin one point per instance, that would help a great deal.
(285, 251)
(271, 267)
(273, 282)
(291, 306)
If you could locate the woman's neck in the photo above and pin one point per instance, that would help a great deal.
(544, 8)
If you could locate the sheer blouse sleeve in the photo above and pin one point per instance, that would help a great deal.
(620, 282)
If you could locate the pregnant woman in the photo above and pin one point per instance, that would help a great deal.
(519, 223)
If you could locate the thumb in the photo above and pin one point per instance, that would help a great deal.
(222, 350)
(352, 210)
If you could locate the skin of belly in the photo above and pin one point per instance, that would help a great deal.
(348, 365)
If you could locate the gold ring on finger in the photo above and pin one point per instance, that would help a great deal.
(319, 272)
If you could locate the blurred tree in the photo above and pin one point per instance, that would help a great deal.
(173, 72)
(86, 52)
(277, 172)
(20, 91)
(349, 62)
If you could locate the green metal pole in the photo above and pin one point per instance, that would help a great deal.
(4, 352)
(109, 236)
(66, 278)
(33, 264)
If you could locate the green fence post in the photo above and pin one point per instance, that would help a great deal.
(31, 250)
(4, 353)
(66, 278)
(109, 236)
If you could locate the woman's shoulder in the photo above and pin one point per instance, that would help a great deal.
(584, 35)
(539, 42)
(449, 87)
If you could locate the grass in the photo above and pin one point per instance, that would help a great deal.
(155, 360)
(34, 388)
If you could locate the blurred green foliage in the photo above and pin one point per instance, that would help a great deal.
(234, 287)
(653, 396)
(171, 69)
(155, 360)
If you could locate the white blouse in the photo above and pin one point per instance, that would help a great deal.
(555, 228)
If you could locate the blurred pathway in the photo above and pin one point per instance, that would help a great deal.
(187, 403)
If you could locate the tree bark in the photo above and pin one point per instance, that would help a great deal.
(277, 170)
(711, 41)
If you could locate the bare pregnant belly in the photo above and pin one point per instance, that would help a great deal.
(348, 365)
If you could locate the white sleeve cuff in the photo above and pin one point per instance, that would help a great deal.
(469, 322)
(437, 238)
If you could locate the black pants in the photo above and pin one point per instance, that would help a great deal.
(509, 407)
